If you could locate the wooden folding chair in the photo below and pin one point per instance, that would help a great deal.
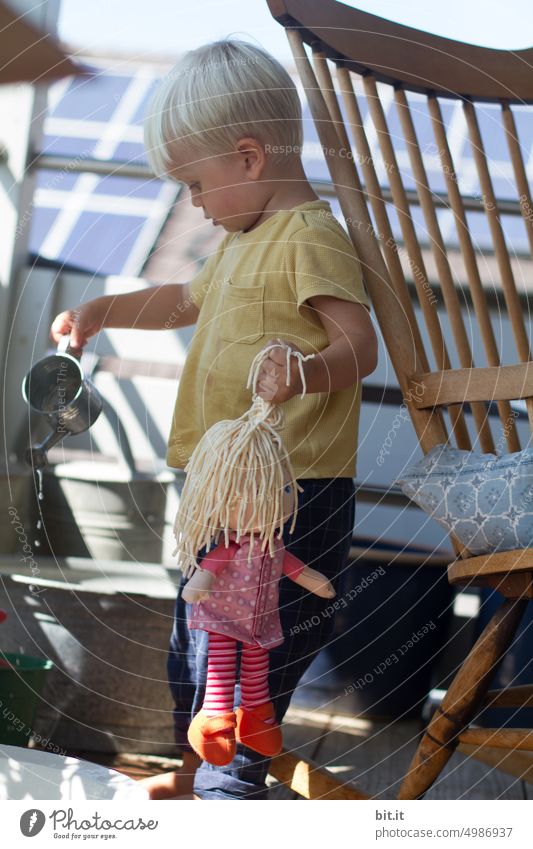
(418, 73)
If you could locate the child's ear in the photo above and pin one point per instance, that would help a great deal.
(253, 157)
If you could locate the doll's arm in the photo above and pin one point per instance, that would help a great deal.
(199, 586)
(303, 575)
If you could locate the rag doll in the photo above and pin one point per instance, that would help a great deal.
(239, 492)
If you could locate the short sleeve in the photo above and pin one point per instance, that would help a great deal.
(322, 261)
(199, 285)
(219, 558)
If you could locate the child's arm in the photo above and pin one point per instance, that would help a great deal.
(352, 352)
(199, 586)
(153, 308)
(350, 355)
(306, 577)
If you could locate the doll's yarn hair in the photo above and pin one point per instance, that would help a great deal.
(233, 459)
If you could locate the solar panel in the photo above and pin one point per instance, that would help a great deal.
(99, 224)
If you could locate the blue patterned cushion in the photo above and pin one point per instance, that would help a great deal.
(485, 500)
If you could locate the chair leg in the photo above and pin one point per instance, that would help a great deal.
(462, 699)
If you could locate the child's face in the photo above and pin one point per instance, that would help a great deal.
(226, 187)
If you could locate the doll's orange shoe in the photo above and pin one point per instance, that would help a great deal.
(253, 731)
(213, 737)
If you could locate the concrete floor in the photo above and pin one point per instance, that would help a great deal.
(369, 755)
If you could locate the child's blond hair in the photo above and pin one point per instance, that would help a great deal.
(217, 94)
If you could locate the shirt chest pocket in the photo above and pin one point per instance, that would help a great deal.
(242, 312)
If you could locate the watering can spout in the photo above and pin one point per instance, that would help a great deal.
(36, 456)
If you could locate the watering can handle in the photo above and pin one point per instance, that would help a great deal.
(63, 346)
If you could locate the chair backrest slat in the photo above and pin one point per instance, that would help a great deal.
(470, 262)
(328, 90)
(414, 252)
(401, 204)
(502, 254)
(519, 170)
(439, 251)
(498, 238)
(429, 424)
(347, 131)
(388, 244)
(394, 323)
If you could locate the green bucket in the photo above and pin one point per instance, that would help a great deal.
(21, 682)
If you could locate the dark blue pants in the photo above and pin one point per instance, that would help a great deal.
(321, 539)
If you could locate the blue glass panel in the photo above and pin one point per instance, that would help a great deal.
(419, 224)
(128, 187)
(492, 134)
(394, 219)
(361, 99)
(335, 207)
(422, 119)
(63, 181)
(467, 178)
(131, 152)
(93, 99)
(515, 232)
(448, 228)
(395, 128)
(316, 167)
(74, 146)
(101, 243)
(404, 168)
(138, 116)
(313, 155)
(504, 187)
(41, 222)
(310, 133)
(524, 127)
(436, 178)
(479, 230)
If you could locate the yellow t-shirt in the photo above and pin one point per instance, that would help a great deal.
(253, 288)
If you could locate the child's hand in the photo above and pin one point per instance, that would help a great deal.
(272, 379)
(81, 323)
(198, 587)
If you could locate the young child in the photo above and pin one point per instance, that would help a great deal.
(227, 122)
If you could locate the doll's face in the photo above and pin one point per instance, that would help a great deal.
(236, 502)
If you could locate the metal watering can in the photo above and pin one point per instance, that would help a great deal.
(57, 388)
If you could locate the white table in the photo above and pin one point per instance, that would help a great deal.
(36, 774)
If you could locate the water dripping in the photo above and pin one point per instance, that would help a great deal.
(40, 497)
(40, 493)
